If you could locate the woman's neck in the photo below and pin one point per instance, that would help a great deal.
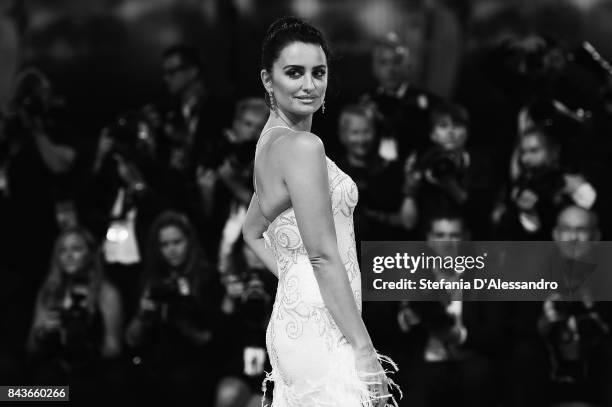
(295, 122)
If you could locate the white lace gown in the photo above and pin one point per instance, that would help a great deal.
(312, 362)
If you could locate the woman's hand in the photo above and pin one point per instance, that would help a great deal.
(372, 372)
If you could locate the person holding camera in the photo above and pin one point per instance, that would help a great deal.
(38, 161)
(562, 350)
(447, 175)
(226, 191)
(121, 200)
(538, 189)
(246, 309)
(190, 140)
(172, 333)
(78, 318)
(450, 344)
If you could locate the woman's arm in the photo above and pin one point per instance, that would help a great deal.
(45, 320)
(304, 170)
(252, 231)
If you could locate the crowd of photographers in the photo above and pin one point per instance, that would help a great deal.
(150, 293)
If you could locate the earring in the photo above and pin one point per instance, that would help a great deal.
(272, 101)
(323, 107)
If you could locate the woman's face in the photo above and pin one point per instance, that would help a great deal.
(173, 245)
(448, 134)
(299, 79)
(73, 253)
(533, 152)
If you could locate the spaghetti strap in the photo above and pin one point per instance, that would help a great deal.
(254, 178)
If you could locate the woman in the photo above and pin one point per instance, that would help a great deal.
(78, 317)
(299, 223)
(174, 326)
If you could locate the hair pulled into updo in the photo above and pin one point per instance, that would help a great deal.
(287, 30)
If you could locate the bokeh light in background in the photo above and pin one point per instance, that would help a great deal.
(104, 54)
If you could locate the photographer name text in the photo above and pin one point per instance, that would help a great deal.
(475, 284)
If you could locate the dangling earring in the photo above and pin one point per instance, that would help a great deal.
(323, 107)
(272, 101)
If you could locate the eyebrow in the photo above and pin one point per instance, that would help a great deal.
(301, 66)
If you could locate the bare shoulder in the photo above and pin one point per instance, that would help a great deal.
(299, 144)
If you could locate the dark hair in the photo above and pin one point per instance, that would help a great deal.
(391, 41)
(285, 31)
(455, 112)
(29, 81)
(187, 53)
(156, 267)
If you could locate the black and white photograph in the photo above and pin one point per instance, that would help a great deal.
(306, 203)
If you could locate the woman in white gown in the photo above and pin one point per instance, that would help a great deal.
(300, 223)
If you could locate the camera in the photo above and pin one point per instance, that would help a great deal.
(170, 289)
(572, 338)
(132, 136)
(543, 182)
(78, 337)
(441, 164)
(132, 149)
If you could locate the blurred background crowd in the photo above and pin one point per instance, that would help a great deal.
(127, 135)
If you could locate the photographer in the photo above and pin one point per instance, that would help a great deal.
(400, 108)
(78, 318)
(538, 190)
(175, 323)
(451, 346)
(120, 200)
(37, 156)
(562, 350)
(190, 138)
(227, 190)
(246, 308)
(446, 175)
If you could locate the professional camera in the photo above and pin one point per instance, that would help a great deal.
(78, 333)
(572, 338)
(546, 183)
(441, 164)
(170, 289)
(133, 148)
(132, 136)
